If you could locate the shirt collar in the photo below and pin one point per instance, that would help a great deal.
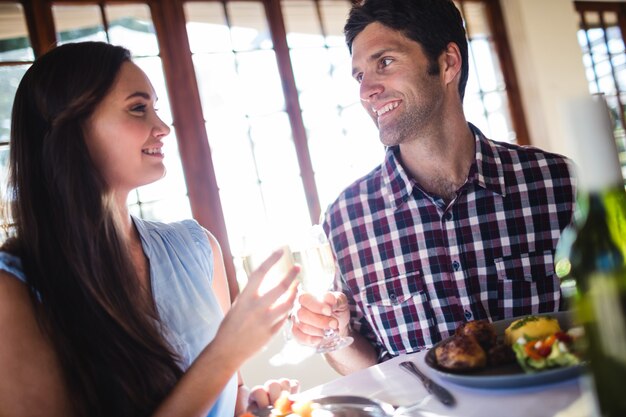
(486, 171)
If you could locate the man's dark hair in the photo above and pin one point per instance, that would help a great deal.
(431, 23)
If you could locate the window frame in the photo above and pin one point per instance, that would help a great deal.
(169, 21)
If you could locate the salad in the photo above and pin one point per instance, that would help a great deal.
(556, 350)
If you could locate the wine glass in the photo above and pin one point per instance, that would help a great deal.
(316, 278)
(291, 352)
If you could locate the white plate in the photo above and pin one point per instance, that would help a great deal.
(507, 376)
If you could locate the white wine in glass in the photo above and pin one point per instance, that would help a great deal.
(292, 352)
(316, 277)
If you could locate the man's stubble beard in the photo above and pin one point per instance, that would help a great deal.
(406, 126)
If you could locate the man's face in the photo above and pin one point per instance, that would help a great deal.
(396, 88)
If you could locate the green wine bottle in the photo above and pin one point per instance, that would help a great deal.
(593, 252)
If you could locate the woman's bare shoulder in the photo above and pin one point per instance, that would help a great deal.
(14, 299)
(32, 384)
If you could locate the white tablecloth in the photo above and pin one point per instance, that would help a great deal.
(390, 383)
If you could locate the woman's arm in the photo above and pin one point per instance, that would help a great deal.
(36, 386)
(246, 328)
(32, 382)
(264, 395)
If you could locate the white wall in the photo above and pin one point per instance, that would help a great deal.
(548, 62)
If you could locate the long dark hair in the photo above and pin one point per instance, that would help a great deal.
(431, 23)
(84, 287)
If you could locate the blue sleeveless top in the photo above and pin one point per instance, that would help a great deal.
(181, 274)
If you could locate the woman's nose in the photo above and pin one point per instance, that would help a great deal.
(161, 128)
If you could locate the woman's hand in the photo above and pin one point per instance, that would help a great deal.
(254, 318)
(262, 396)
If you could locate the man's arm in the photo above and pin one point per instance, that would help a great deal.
(359, 355)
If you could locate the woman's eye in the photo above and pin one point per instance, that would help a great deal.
(139, 108)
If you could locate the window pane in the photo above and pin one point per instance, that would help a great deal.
(334, 15)
(327, 94)
(78, 23)
(475, 16)
(487, 65)
(249, 28)
(248, 130)
(616, 43)
(274, 150)
(170, 210)
(485, 89)
(258, 73)
(220, 91)
(244, 213)
(131, 26)
(206, 27)
(301, 23)
(311, 64)
(232, 155)
(344, 88)
(10, 77)
(496, 105)
(14, 42)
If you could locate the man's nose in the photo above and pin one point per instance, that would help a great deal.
(370, 88)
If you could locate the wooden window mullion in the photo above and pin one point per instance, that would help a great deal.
(204, 197)
(501, 43)
(279, 39)
(40, 23)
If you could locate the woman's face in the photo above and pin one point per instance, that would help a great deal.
(124, 135)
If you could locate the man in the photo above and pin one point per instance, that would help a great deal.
(451, 227)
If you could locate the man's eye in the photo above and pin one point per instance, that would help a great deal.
(386, 61)
(359, 77)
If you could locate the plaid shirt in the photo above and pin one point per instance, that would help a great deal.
(414, 268)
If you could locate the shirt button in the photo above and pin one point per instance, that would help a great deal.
(456, 265)
(448, 216)
(394, 299)
(468, 315)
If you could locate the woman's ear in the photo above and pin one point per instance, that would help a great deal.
(450, 63)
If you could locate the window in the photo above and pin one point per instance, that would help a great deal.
(601, 38)
(16, 55)
(268, 125)
(247, 124)
(486, 102)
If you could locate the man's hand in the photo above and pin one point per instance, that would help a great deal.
(312, 316)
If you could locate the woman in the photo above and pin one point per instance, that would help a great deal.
(111, 315)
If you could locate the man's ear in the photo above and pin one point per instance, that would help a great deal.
(450, 63)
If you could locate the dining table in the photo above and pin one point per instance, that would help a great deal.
(390, 383)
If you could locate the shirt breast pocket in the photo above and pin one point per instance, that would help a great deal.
(526, 284)
(397, 310)
(531, 267)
